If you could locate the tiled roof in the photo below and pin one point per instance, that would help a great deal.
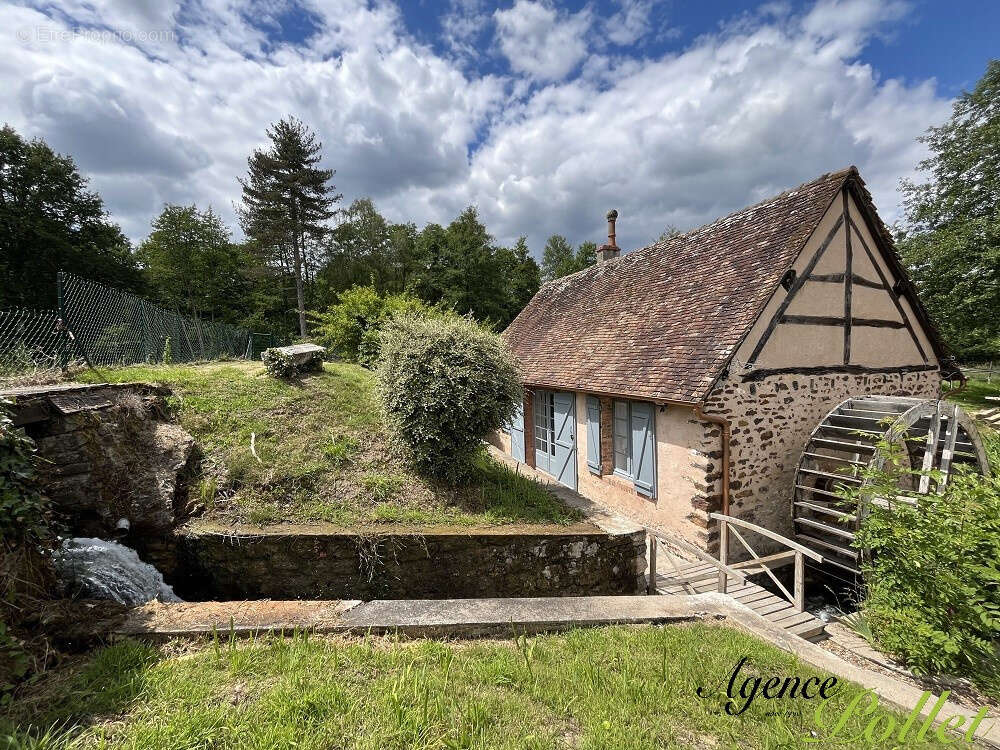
(663, 321)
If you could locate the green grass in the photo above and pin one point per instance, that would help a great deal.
(973, 396)
(611, 688)
(322, 453)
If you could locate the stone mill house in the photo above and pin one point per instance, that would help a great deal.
(686, 377)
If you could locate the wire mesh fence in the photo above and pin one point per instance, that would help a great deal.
(32, 340)
(100, 325)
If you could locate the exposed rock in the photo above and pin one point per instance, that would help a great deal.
(109, 455)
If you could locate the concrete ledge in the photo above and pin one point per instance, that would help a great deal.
(504, 617)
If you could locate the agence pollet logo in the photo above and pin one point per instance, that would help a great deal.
(743, 689)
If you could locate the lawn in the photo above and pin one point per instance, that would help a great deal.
(322, 453)
(973, 398)
(609, 688)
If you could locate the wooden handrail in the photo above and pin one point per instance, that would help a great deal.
(769, 534)
(700, 554)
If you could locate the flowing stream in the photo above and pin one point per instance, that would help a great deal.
(99, 569)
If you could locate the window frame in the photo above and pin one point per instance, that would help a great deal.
(629, 472)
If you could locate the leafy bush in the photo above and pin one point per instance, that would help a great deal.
(281, 365)
(445, 383)
(932, 575)
(351, 327)
(25, 528)
(24, 512)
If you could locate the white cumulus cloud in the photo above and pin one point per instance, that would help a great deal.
(769, 100)
(541, 41)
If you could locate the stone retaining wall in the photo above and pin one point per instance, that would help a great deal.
(312, 563)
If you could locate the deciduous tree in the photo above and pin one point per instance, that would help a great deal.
(558, 258)
(951, 238)
(50, 222)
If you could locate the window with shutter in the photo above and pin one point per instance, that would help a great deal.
(594, 434)
(621, 440)
(643, 448)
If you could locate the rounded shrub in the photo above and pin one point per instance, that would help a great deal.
(445, 383)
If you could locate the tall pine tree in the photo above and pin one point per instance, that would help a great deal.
(287, 200)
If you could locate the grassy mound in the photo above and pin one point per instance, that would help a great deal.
(315, 450)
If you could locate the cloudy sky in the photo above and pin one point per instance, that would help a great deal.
(544, 115)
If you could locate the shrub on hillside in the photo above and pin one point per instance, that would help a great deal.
(445, 383)
(351, 327)
(932, 578)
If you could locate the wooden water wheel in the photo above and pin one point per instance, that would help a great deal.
(935, 435)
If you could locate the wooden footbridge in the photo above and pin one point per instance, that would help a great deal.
(679, 576)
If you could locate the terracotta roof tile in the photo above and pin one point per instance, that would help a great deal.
(662, 322)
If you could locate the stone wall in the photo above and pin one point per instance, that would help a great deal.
(108, 454)
(314, 563)
(771, 421)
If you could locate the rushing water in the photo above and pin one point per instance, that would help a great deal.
(99, 569)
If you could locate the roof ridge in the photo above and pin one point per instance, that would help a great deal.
(840, 173)
(660, 244)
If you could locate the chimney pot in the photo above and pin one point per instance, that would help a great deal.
(611, 250)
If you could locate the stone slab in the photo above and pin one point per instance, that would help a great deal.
(187, 619)
(470, 617)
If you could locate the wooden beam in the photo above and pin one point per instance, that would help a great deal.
(799, 281)
(949, 446)
(878, 323)
(812, 320)
(888, 288)
(933, 435)
(848, 280)
(837, 370)
(839, 278)
(862, 281)
(829, 278)
(829, 320)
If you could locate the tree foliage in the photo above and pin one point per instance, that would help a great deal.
(559, 259)
(50, 222)
(461, 268)
(294, 258)
(287, 201)
(351, 327)
(192, 264)
(932, 575)
(445, 383)
(951, 239)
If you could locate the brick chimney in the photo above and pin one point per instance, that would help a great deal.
(609, 251)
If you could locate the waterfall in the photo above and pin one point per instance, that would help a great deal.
(99, 569)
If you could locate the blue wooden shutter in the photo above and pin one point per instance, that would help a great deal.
(643, 448)
(594, 434)
(517, 434)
